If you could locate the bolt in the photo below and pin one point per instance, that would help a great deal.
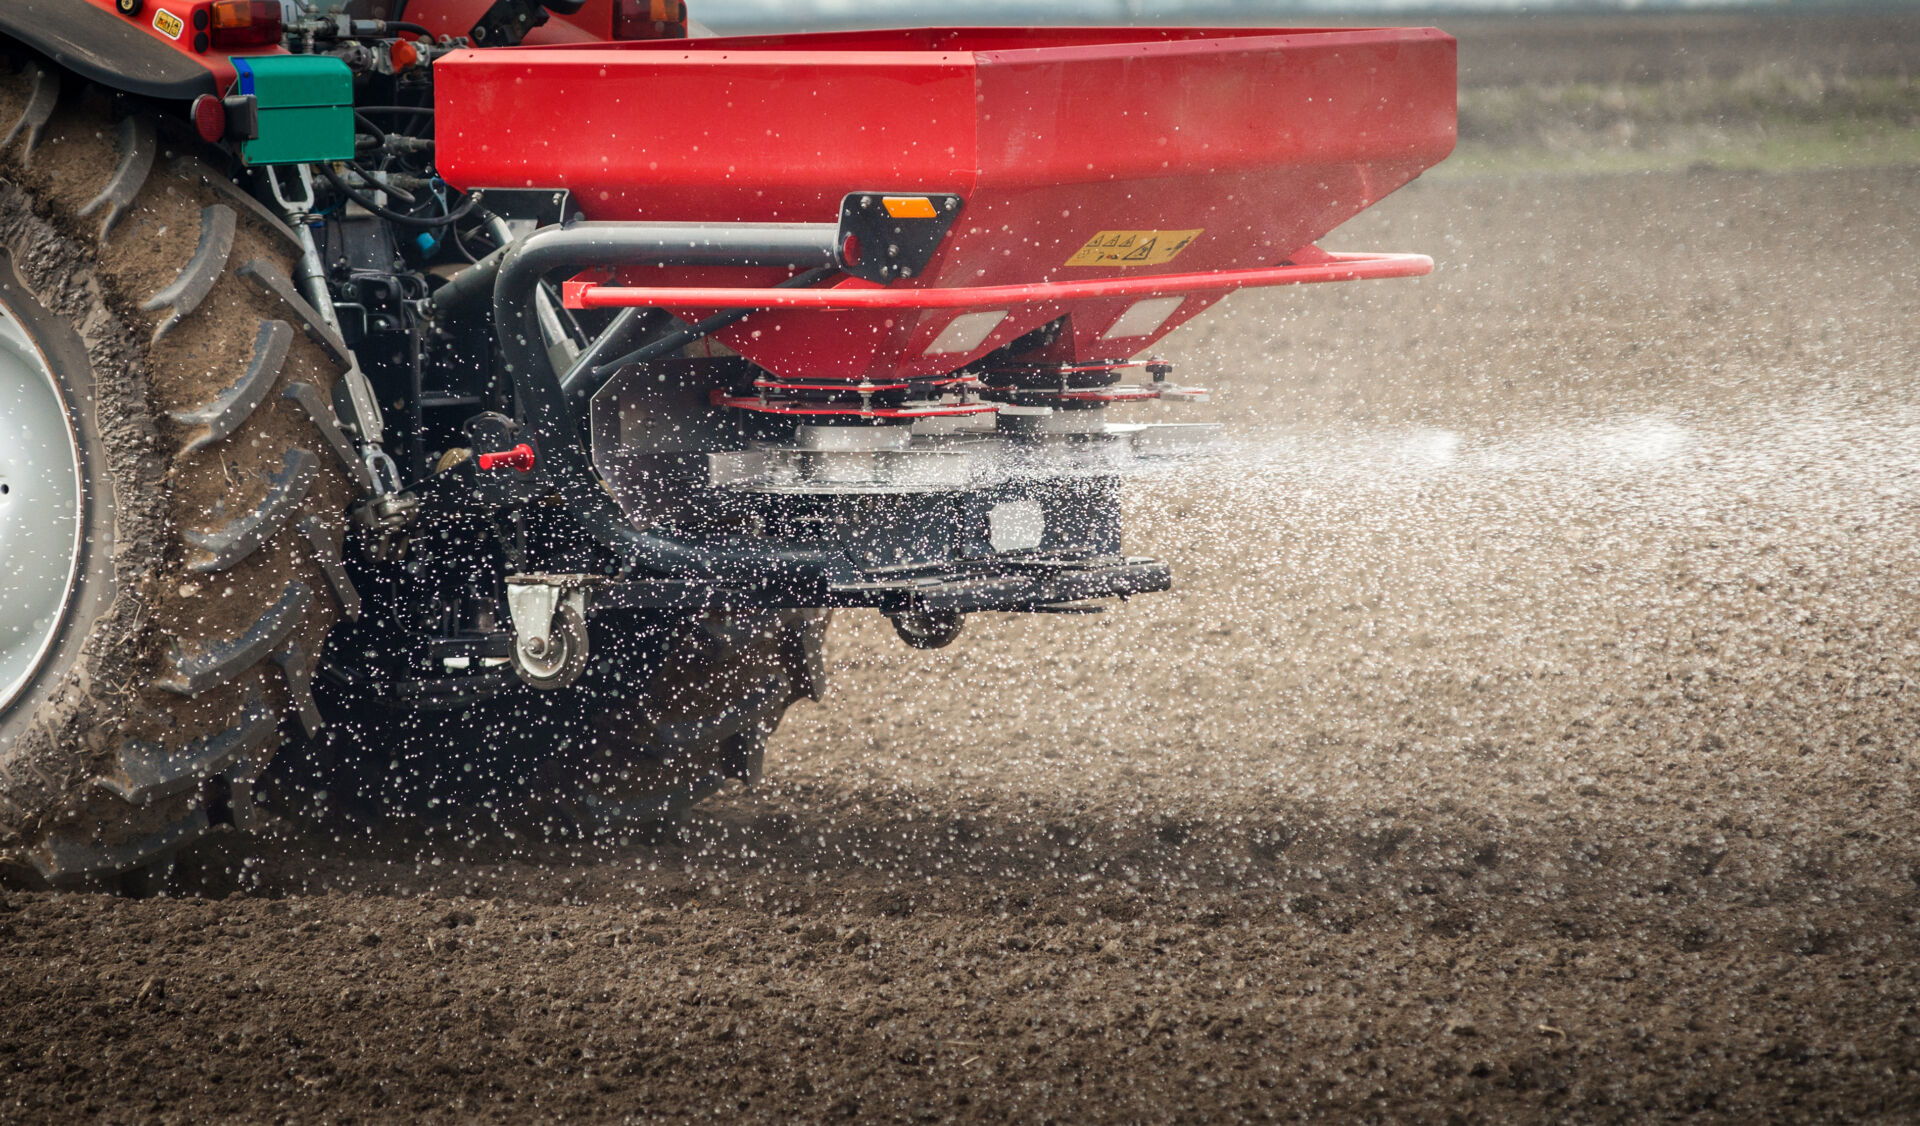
(535, 646)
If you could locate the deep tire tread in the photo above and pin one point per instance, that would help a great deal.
(137, 143)
(200, 172)
(39, 110)
(328, 556)
(197, 668)
(70, 859)
(196, 279)
(272, 281)
(297, 667)
(225, 547)
(320, 413)
(225, 412)
(147, 771)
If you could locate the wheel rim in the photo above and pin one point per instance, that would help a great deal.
(40, 499)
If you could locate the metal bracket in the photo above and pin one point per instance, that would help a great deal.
(543, 206)
(507, 22)
(549, 626)
(362, 414)
(384, 470)
(296, 208)
(386, 516)
(883, 236)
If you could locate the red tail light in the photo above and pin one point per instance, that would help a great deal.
(649, 19)
(245, 23)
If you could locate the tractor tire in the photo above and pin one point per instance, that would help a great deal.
(172, 513)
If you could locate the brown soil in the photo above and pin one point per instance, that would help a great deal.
(1530, 740)
(1549, 48)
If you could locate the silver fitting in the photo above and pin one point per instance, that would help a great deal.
(549, 627)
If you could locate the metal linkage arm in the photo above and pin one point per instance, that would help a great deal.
(513, 274)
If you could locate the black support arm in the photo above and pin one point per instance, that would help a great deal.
(513, 274)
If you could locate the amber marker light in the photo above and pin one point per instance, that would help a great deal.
(245, 23)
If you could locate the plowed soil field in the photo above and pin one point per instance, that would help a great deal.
(1531, 738)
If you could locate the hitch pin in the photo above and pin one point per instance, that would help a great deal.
(519, 457)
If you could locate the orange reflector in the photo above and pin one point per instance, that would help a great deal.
(909, 207)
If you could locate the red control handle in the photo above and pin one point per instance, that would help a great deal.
(519, 457)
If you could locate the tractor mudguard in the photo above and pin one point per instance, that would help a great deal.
(106, 48)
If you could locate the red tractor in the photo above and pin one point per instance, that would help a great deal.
(470, 400)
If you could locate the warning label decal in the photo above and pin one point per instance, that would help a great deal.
(1132, 248)
(168, 24)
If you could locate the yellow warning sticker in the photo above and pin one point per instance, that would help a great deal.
(1133, 248)
(168, 24)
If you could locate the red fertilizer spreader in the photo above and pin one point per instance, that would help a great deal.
(1057, 196)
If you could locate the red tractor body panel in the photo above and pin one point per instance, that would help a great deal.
(1230, 149)
(160, 18)
(181, 25)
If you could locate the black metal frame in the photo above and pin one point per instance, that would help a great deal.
(550, 424)
(913, 554)
(771, 573)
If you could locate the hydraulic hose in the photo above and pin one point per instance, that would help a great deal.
(429, 222)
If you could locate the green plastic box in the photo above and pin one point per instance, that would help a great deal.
(306, 108)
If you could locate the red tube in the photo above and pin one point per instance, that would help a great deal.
(519, 457)
(1336, 267)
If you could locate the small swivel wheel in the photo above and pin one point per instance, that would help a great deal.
(929, 629)
(558, 659)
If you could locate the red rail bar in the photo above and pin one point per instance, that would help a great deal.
(1336, 267)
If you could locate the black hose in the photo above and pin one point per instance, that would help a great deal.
(405, 197)
(397, 111)
(460, 245)
(430, 222)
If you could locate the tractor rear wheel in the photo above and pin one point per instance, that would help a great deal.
(170, 517)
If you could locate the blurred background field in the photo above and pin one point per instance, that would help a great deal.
(1567, 87)
(1772, 90)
